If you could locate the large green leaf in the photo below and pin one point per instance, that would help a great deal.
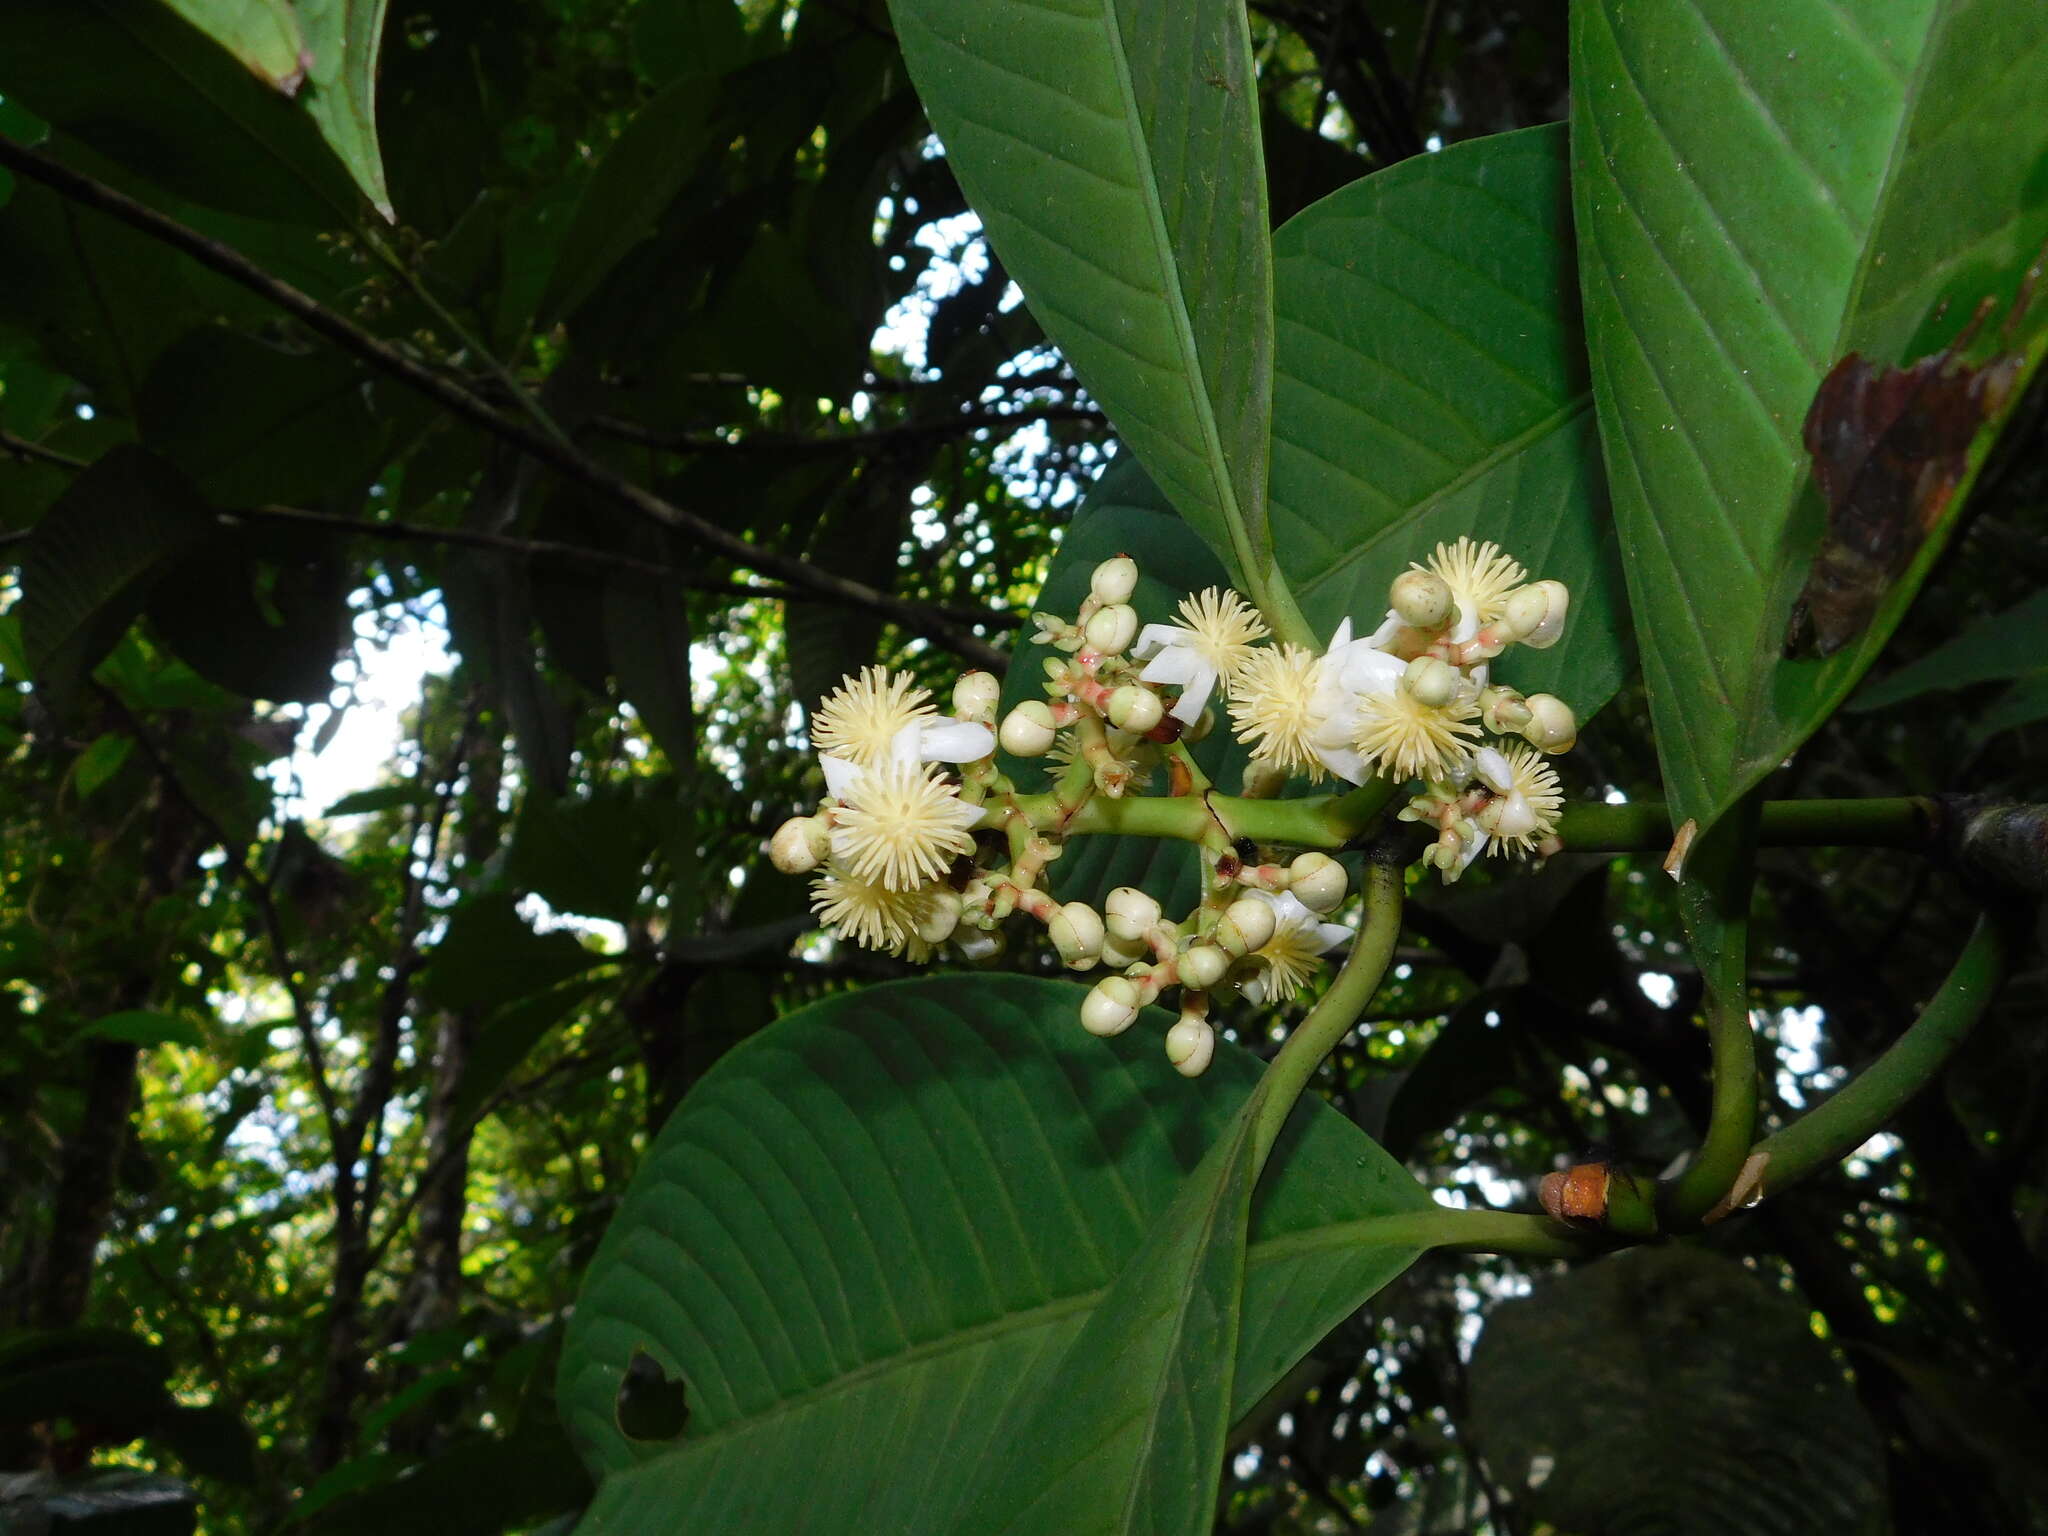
(1760, 193)
(94, 559)
(136, 82)
(1985, 652)
(1125, 515)
(868, 1227)
(1670, 1391)
(1112, 150)
(343, 37)
(263, 34)
(1430, 381)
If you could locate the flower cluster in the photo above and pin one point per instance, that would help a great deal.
(908, 856)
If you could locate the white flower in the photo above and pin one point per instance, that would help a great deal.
(1212, 643)
(1351, 671)
(863, 719)
(1300, 940)
(897, 825)
(872, 915)
(1274, 708)
(1480, 577)
(1527, 799)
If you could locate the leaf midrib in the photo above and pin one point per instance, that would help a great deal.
(1521, 442)
(1407, 1229)
(1241, 543)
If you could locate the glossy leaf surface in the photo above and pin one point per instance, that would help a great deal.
(1758, 195)
(869, 1227)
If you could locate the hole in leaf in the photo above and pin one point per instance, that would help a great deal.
(650, 1406)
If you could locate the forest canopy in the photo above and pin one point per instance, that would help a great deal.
(980, 765)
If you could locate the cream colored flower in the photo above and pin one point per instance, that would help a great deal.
(1404, 738)
(872, 915)
(863, 716)
(1480, 577)
(1212, 643)
(1295, 952)
(1351, 670)
(1274, 708)
(1527, 799)
(898, 823)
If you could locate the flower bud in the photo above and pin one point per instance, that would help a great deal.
(1130, 913)
(1502, 710)
(1507, 816)
(1119, 953)
(1202, 966)
(941, 917)
(1111, 1006)
(1028, 730)
(975, 695)
(1189, 1046)
(1431, 681)
(1247, 925)
(1134, 707)
(1318, 882)
(800, 844)
(1110, 630)
(1076, 931)
(1551, 727)
(1422, 599)
(1535, 614)
(1114, 581)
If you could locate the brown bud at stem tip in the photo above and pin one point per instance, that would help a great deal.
(1578, 1195)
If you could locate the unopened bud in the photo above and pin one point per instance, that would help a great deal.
(1114, 580)
(1076, 931)
(1134, 707)
(940, 918)
(1202, 966)
(1507, 816)
(1318, 881)
(1118, 953)
(975, 695)
(1502, 710)
(1552, 726)
(1110, 630)
(1028, 730)
(1111, 1006)
(1129, 913)
(800, 844)
(1247, 925)
(1431, 681)
(1535, 614)
(1189, 1046)
(1422, 599)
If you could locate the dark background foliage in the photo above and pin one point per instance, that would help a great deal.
(311, 1114)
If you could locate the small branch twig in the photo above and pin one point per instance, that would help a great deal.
(915, 617)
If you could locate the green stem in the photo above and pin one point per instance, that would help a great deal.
(1732, 1123)
(1906, 822)
(1276, 602)
(521, 395)
(1356, 981)
(1836, 1127)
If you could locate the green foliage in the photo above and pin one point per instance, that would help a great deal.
(987, 1183)
(1670, 1390)
(1871, 215)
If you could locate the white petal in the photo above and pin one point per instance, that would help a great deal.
(975, 943)
(1342, 761)
(1342, 637)
(1255, 989)
(954, 741)
(1390, 626)
(1365, 670)
(1492, 767)
(1467, 625)
(1330, 935)
(903, 745)
(1173, 666)
(1468, 853)
(1203, 683)
(1516, 818)
(1289, 910)
(1155, 637)
(842, 778)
